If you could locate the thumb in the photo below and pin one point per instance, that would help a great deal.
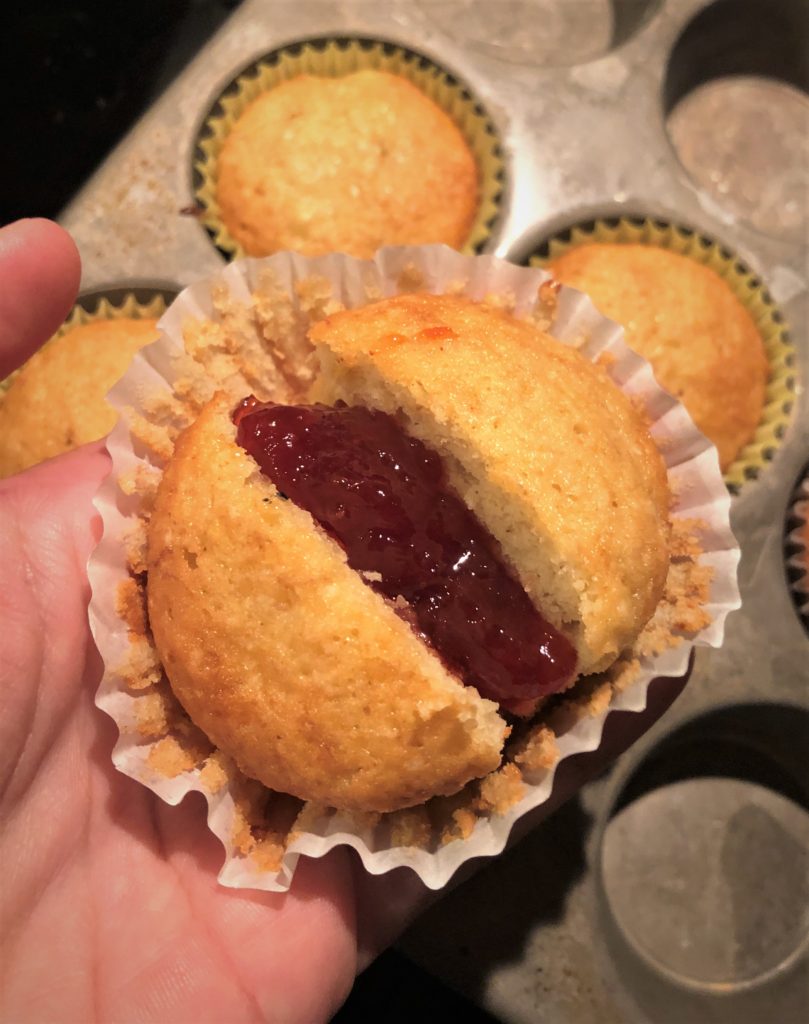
(39, 278)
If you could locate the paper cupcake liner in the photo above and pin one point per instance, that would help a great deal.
(694, 477)
(748, 289)
(113, 303)
(797, 547)
(334, 57)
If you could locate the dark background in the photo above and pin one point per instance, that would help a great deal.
(75, 75)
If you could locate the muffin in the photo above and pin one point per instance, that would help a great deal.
(270, 592)
(345, 164)
(680, 315)
(57, 400)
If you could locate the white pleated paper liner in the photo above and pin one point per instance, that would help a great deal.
(694, 476)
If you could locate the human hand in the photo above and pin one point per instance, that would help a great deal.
(109, 904)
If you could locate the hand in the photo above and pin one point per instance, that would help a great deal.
(109, 905)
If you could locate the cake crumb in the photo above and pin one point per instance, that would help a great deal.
(504, 300)
(142, 480)
(157, 712)
(134, 538)
(461, 825)
(130, 605)
(177, 753)
(537, 751)
(156, 439)
(500, 790)
(141, 668)
(607, 360)
(316, 296)
(215, 773)
(268, 853)
(410, 827)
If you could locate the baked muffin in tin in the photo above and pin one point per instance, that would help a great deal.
(56, 401)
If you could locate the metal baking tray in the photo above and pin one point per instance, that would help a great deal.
(579, 93)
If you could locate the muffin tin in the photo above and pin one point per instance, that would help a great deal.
(529, 937)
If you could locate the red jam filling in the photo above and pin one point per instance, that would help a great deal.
(384, 497)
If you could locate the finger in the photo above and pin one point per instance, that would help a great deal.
(39, 278)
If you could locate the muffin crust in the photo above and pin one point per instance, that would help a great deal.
(682, 317)
(57, 401)
(345, 164)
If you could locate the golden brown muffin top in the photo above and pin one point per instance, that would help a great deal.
(539, 443)
(345, 164)
(57, 400)
(699, 338)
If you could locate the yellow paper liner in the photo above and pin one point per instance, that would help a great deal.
(797, 547)
(261, 309)
(335, 57)
(745, 285)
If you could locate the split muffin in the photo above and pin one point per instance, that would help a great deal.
(356, 597)
(57, 401)
(347, 164)
(702, 343)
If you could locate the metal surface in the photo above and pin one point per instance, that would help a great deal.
(732, 883)
(527, 936)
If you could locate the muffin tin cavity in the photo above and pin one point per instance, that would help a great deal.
(736, 99)
(747, 287)
(717, 811)
(335, 57)
(543, 33)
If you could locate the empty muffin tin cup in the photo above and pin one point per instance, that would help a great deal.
(115, 302)
(334, 58)
(702, 870)
(269, 304)
(748, 289)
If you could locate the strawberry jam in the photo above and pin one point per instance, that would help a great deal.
(384, 497)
